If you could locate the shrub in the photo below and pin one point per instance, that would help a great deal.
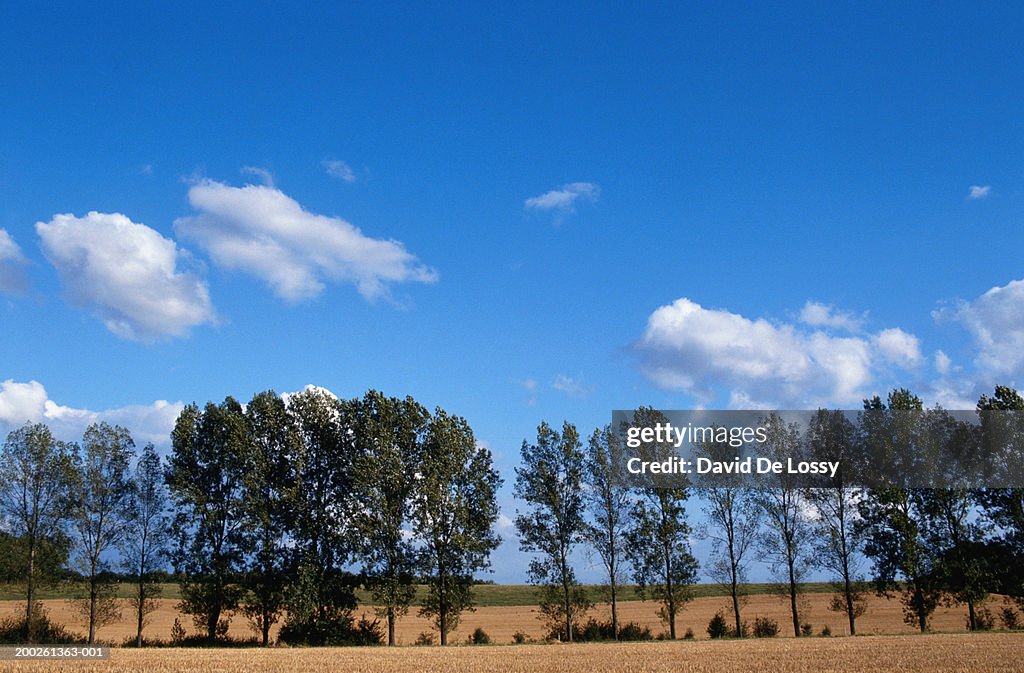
(1010, 619)
(826, 632)
(806, 630)
(718, 627)
(341, 631)
(519, 638)
(425, 638)
(44, 632)
(688, 635)
(479, 637)
(765, 627)
(177, 632)
(633, 631)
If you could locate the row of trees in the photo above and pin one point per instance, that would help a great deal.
(281, 508)
(954, 544)
(59, 499)
(278, 509)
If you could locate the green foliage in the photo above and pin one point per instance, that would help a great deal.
(550, 481)
(826, 631)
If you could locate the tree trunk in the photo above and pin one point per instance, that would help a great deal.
(615, 618)
(972, 617)
(92, 608)
(792, 600)
(31, 588)
(266, 628)
(141, 613)
(391, 626)
(849, 604)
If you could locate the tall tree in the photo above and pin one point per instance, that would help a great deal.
(833, 437)
(454, 512)
(389, 442)
(99, 500)
(608, 500)
(204, 478)
(1002, 428)
(786, 539)
(550, 481)
(732, 525)
(35, 471)
(266, 480)
(319, 509)
(893, 517)
(147, 534)
(658, 537)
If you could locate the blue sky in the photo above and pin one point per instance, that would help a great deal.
(515, 213)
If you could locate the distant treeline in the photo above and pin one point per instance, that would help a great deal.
(282, 509)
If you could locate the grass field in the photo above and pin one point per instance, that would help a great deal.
(942, 653)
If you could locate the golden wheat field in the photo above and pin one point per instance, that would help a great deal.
(940, 653)
(883, 617)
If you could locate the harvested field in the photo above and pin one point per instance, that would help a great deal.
(941, 653)
(883, 617)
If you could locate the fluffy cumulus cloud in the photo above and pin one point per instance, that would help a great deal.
(24, 402)
(12, 263)
(995, 321)
(261, 231)
(898, 347)
(565, 198)
(698, 350)
(126, 274)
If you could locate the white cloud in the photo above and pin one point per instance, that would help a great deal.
(564, 198)
(339, 169)
(942, 363)
(12, 275)
(265, 176)
(898, 347)
(126, 274)
(975, 192)
(697, 350)
(262, 232)
(570, 386)
(995, 321)
(29, 402)
(817, 314)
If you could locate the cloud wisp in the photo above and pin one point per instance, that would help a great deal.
(564, 199)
